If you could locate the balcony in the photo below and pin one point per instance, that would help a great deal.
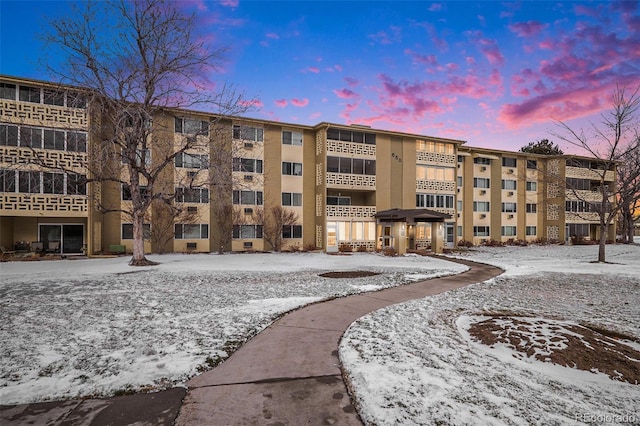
(351, 148)
(22, 204)
(30, 113)
(351, 181)
(584, 173)
(350, 212)
(426, 157)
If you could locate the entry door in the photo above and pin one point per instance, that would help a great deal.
(70, 237)
(332, 238)
(387, 236)
(449, 229)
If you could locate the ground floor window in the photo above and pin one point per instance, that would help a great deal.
(423, 231)
(509, 231)
(64, 238)
(291, 231)
(578, 229)
(480, 231)
(247, 231)
(127, 231)
(191, 231)
(531, 230)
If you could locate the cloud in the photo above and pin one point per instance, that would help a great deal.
(272, 36)
(351, 81)
(230, 3)
(345, 94)
(281, 103)
(491, 52)
(334, 68)
(422, 59)
(301, 103)
(314, 70)
(435, 7)
(315, 115)
(383, 37)
(527, 29)
(251, 103)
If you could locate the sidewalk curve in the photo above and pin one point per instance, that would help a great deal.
(289, 374)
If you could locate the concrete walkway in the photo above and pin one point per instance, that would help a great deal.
(289, 374)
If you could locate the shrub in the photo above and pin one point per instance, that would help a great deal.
(309, 247)
(362, 248)
(464, 243)
(389, 251)
(345, 248)
(493, 243)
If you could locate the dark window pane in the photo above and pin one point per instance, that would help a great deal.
(333, 164)
(8, 91)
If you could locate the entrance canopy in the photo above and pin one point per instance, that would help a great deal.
(411, 215)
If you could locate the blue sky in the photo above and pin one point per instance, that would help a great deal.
(495, 74)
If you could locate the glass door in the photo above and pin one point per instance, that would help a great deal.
(50, 235)
(63, 239)
(332, 237)
(72, 238)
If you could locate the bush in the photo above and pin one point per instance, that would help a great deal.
(464, 243)
(362, 248)
(493, 243)
(345, 248)
(516, 242)
(309, 247)
(389, 251)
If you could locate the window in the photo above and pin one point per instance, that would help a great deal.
(459, 180)
(76, 100)
(482, 160)
(509, 184)
(481, 206)
(194, 195)
(459, 205)
(32, 137)
(333, 200)
(481, 182)
(351, 136)
(508, 231)
(434, 201)
(292, 169)
(356, 166)
(52, 183)
(53, 97)
(532, 164)
(191, 126)
(480, 231)
(8, 91)
(77, 142)
(291, 231)
(434, 173)
(291, 138)
(7, 181)
(127, 231)
(531, 230)
(291, 199)
(578, 229)
(192, 161)
(126, 192)
(247, 231)
(195, 231)
(509, 162)
(581, 206)
(8, 135)
(439, 147)
(77, 184)
(248, 133)
(30, 94)
(459, 231)
(532, 186)
(579, 184)
(532, 208)
(54, 139)
(509, 207)
(247, 165)
(141, 154)
(29, 182)
(253, 198)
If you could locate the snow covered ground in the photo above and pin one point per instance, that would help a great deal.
(75, 328)
(415, 363)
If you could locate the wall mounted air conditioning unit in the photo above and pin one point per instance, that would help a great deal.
(192, 246)
(510, 216)
(482, 216)
(192, 209)
(510, 193)
(192, 174)
(483, 169)
(248, 244)
(248, 145)
(248, 177)
(248, 210)
(483, 192)
(510, 171)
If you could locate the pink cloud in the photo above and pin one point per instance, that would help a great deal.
(272, 36)
(422, 59)
(546, 44)
(315, 115)
(527, 29)
(351, 81)
(230, 3)
(281, 103)
(300, 102)
(491, 52)
(314, 70)
(345, 94)
(435, 7)
(251, 103)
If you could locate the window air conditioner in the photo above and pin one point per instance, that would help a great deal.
(248, 177)
(510, 171)
(248, 210)
(192, 209)
(483, 192)
(483, 169)
(248, 145)
(192, 174)
(248, 244)
(192, 246)
(482, 216)
(510, 216)
(510, 193)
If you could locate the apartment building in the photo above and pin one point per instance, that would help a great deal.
(331, 186)
(505, 195)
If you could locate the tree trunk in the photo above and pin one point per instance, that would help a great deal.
(603, 225)
(139, 258)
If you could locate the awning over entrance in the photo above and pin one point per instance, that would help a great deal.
(411, 215)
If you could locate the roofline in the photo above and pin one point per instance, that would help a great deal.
(388, 132)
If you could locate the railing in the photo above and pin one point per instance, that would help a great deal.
(19, 204)
(426, 157)
(584, 173)
(350, 212)
(43, 115)
(352, 148)
(346, 180)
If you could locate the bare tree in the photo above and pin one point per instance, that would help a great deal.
(629, 190)
(274, 219)
(139, 67)
(609, 144)
(543, 146)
